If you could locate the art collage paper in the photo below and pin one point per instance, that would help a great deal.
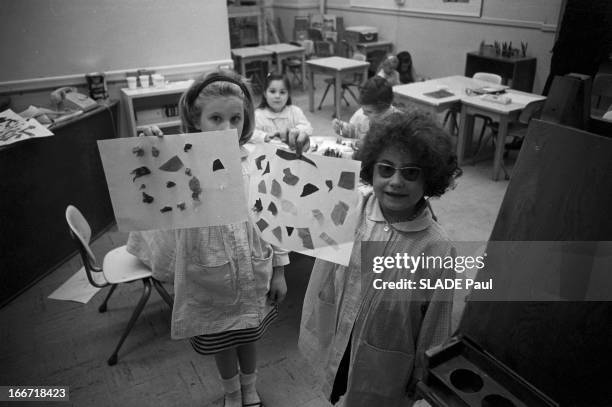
(175, 181)
(306, 204)
(14, 128)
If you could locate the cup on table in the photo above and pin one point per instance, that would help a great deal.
(144, 81)
(158, 80)
(131, 82)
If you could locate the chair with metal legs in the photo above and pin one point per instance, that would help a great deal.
(118, 267)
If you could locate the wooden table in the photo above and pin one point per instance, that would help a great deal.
(251, 54)
(284, 51)
(336, 67)
(503, 114)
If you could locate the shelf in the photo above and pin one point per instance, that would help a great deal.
(145, 107)
(172, 87)
(161, 125)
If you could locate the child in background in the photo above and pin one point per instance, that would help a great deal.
(227, 281)
(375, 99)
(276, 117)
(406, 158)
(388, 70)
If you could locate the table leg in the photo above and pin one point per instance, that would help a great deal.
(464, 139)
(303, 72)
(502, 132)
(242, 67)
(337, 93)
(311, 90)
(279, 66)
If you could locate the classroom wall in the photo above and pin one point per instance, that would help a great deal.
(51, 43)
(439, 43)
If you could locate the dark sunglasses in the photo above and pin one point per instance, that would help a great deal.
(409, 173)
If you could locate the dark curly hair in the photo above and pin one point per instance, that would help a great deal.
(414, 132)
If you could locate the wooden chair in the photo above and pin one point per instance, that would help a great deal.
(487, 123)
(118, 267)
(454, 111)
(293, 66)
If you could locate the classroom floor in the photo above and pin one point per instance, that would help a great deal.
(49, 342)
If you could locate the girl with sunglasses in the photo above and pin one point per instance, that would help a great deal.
(366, 344)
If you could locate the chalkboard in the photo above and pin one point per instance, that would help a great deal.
(47, 38)
(561, 190)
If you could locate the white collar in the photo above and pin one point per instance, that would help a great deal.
(421, 222)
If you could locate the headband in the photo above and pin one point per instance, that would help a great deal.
(217, 78)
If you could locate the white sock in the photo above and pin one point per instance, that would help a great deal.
(231, 387)
(249, 392)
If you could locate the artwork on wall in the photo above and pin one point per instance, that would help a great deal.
(14, 128)
(175, 181)
(306, 204)
(470, 8)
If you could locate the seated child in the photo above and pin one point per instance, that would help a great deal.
(375, 99)
(388, 70)
(276, 117)
(367, 345)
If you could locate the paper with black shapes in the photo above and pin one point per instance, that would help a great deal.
(347, 180)
(261, 224)
(276, 189)
(143, 186)
(261, 187)
(172, 165)
(278, 233)
(187, 147)
(146, 198)
(289, 156)
(199, 197)
(313, 211)
(273, 209)
(14, 128)
(308, 189)
(217, 165)
(166, 209)
(289, 178)
(304, 235)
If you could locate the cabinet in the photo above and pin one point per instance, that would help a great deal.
(154, 106)
(517, 72)
(246, 23)
(40, 177)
